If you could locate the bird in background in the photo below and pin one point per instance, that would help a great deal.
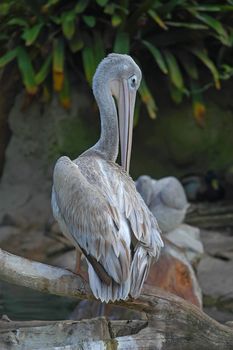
(95, 201)
(165, 198)
(203, 186)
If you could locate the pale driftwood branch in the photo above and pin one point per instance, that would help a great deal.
(73, 335)
(42, 277)
(172, 322)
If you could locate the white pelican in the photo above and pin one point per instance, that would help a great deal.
(165, 198)
(96, 202)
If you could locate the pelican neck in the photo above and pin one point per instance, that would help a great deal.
(108, 143)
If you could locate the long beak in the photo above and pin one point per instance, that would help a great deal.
(126, 110)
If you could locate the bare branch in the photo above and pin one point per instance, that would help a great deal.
(170, 318)
(42, 277)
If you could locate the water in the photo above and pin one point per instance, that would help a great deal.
(20, 303)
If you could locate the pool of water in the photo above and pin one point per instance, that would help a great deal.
(20, 303)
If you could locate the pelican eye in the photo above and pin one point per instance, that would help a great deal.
(133, 81)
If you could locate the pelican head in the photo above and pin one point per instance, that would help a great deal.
(122, 76)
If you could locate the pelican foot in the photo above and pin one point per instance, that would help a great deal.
(80, 273)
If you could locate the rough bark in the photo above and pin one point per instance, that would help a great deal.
(172, 323)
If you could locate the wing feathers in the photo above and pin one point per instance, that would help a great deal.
(105, 215)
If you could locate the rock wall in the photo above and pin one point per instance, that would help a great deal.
(174, 144)
(40, 133)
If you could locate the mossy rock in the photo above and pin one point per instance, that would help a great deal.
(174, 144)
(74, 136)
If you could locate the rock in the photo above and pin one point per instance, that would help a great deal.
(66, 260)
(8, 231)
(173, 273)
(176, 145)
(40, 133)
(188, 238)
(32, 243)
(229, 324)
(215, 278)
(9, 87)
(166, 200)
(218, 244)
(219, 314)
(214, 274)
(87, 308)
(212, 216)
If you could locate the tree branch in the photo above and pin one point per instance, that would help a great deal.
(171, 319)
(41, 277)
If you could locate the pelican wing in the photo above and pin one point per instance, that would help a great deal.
(145, 233)
(89, 221)
(142, 222)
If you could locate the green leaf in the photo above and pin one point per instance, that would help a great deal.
(157, 19)
(216, 25)
(27, 71)
(168, 7)
(226, 71)
(116, 20)
(8, 57)
(65, 95)
(68, 24)
(101, 2)
(76, 43)
(203, 57)
(53, 2)
(58, 55)
(110, 9)
(90, 21)
(189, 65)
(199, 109)
(176, 94)
(99, 48)
(121, 44)
(45, 8)
(31, 34)
(44, 70)
(157, 56)
(17, 22)
(81, 6)
(174, 70)
(211, 8)
(55, 19)
(5, 9)
(187, 25)
(58, 64)
(147, 99)
(88, 62)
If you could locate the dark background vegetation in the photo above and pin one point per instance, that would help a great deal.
(183, 47)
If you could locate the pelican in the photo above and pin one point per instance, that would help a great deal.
(165, 198)
(95, 201)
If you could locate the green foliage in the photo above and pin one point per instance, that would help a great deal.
(176, 39)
